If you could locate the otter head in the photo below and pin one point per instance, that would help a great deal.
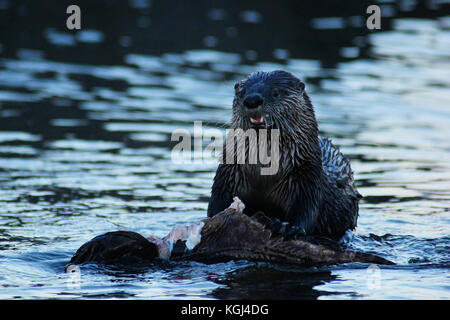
(270, 99)
(277, 100)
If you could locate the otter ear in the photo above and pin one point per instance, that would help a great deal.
(297, 84)
(236, 86)
(301, 86)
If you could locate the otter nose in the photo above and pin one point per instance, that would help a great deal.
(253, 101)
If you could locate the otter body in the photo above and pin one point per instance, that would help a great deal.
(313, 188)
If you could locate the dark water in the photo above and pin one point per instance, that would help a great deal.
(86, 119)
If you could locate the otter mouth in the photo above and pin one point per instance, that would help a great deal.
(257, 120)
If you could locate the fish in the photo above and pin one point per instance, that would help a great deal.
(229, 235)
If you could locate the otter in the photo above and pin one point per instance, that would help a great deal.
(228, 235)
(295, 215)
(314, 189)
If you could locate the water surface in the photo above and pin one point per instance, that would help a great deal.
(86, 119)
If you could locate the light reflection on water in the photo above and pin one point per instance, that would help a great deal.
(85, 149)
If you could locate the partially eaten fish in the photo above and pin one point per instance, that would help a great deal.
(229, 235)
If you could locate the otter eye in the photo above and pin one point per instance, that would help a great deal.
(239, 90)
(275, 93)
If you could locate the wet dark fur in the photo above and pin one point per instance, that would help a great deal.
(118, 247)
(231, 235)
(314, 188)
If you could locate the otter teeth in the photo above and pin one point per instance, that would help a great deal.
(257, 119)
